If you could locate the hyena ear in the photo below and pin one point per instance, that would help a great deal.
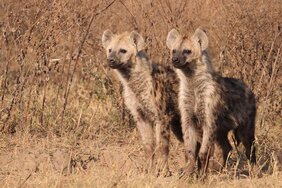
(171, 37)
(106, 38)
(138, 40)
(201, 37)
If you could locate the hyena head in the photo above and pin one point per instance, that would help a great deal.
(121, 49)
(185, 52)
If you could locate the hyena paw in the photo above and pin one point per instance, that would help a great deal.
(188, 170)
(203, 159)
(162, 168)
(204, 163)
(163, 173)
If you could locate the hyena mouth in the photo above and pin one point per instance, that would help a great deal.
(114, 64)
(179, 65)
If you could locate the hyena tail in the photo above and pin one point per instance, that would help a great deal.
(175, 126)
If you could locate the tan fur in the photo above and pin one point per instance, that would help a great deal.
(149, 91)
(210, 105)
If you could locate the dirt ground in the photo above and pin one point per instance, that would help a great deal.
(65, 162)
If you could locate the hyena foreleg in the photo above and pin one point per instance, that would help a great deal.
(190, 135)
(147, 135)
(206, 147)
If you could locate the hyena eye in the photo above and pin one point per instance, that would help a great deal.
(110, 50)
(187, 52)
(123, 51)
(174, 51)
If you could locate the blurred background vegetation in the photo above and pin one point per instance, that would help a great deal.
(53, 75)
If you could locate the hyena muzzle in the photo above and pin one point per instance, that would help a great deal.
(149, 91)
(210, 105)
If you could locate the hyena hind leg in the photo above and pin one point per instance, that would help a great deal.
(175, 126)
(247, 138)
(250, 149)
(162, 147)
(222, 150)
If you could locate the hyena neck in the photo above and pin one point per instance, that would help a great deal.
(204, 65)
(138, 64)
(142, 63)
(125, 71)
(141, 71)
(202, 77)
(202, 70)
(141, 82)
(137, 76)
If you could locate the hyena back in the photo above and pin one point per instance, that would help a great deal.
(149, 92)
(210, 105)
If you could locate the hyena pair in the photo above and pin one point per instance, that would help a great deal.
(210, 105)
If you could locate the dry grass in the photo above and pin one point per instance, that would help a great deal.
(62, 119)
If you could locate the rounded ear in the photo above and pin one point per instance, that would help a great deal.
(138, 40)
(106, 38)
(201, 37)
(171, 38)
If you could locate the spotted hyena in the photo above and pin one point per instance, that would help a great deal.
(149, 92)
(210, 105)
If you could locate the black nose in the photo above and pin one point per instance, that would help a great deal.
(175, 59)
(112, 60)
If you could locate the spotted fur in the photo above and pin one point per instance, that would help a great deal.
(210, 105)
(149, 91)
